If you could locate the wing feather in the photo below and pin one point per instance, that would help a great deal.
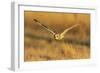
(44, 26)
(68, 29)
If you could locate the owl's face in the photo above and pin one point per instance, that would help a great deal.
(58, 36)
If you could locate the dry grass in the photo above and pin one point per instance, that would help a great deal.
(56, 50)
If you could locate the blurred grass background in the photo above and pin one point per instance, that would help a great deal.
(40, 45)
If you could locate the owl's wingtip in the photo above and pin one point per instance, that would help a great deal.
(35, 20)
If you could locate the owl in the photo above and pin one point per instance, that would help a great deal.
(57, 36)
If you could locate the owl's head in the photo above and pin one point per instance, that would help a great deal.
(58, 36)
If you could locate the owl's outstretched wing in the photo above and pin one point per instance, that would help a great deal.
(44, 26)
(68, 29)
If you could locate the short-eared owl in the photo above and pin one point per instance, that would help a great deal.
(57, 36)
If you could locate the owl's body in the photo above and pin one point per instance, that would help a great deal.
(57, 36)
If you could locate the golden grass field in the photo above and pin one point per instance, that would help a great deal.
(40, 45)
